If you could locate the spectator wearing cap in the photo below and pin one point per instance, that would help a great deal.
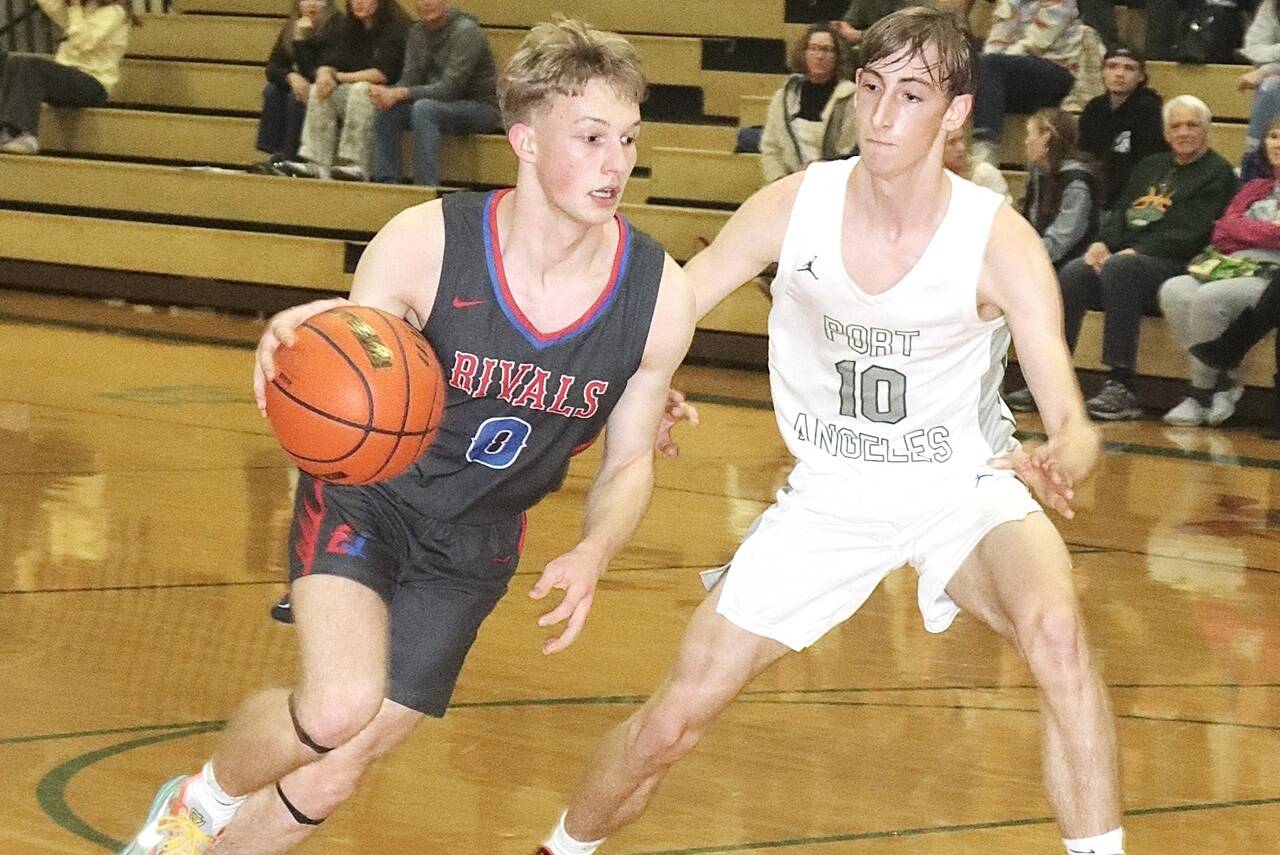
(1123, 125)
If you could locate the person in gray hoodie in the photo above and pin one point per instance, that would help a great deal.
(448, 86)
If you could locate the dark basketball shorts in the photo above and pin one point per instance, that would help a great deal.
(440, 580)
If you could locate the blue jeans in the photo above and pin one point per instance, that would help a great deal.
(429, 120)
(1016, 83)
(280, 128)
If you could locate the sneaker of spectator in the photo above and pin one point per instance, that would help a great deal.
(270, 166)
(1020, 400)
(348, 172)
(21, 144)
(1224, 404)
(1189, 413)
(304, 169)
(1115, 402)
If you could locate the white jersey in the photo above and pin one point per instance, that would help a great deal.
(900, 387)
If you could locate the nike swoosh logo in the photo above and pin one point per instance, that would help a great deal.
(459, 303)
(502, 559)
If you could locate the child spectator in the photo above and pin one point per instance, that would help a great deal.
(80, 74)
(1060, 200)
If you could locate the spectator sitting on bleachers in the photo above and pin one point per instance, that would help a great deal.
(1251, 326)
(1123, 125)
(1225, 281)
(862, 14)
(1060, 199)
(1262, 48)
(812, 116)
(1029, 61)
(80, 74)
(1163, 218)
(956, 157)
(291, 70)
(368, 47)
(449, 85)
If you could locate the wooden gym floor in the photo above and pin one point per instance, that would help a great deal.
(142, 525)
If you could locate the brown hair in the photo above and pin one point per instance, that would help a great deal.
(916, 28)
(286, 38)
(1063, 135)
(844, 59)
(561, 58)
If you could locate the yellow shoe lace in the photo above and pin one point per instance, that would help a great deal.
(182, 836)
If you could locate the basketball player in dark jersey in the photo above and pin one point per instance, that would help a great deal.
(554, 319)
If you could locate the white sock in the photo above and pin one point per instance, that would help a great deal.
(1111, 843)
(560, 843)
(206, 795)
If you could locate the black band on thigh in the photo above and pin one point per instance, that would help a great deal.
(302, 735)
(298, 816)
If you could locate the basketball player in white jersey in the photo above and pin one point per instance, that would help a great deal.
(899, 285)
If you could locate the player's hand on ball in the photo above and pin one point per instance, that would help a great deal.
(279, 331)
(677, 410)
(576, 573)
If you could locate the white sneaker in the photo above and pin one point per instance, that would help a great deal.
(21, 144)
(1189, 413)
(1224, 405)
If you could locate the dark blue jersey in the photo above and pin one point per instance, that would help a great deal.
(521, 401)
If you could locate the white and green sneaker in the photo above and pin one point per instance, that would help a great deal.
(172, 827)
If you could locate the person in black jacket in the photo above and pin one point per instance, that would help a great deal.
(1121, 126)
(291, 70)
(338, 129)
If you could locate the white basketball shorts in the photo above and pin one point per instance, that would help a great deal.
(805, 566)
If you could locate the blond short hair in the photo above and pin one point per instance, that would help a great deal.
(561, 58)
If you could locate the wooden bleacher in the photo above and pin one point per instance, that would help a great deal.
(191, 90)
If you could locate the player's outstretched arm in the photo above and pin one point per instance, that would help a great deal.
(398, 273)
(1018, 279)
(620, 492)
(750, 241)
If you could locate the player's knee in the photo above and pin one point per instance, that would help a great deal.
(1053, 642)
(331, 717)
(670, 730)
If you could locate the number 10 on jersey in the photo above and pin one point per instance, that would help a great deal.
(879, 395)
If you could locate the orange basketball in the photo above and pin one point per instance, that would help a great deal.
(358, 396)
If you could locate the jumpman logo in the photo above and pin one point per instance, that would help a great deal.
(808, 267)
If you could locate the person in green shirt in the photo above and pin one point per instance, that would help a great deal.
(1162, 219)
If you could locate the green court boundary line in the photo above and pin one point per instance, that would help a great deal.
(602, 700)
(51, 791)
